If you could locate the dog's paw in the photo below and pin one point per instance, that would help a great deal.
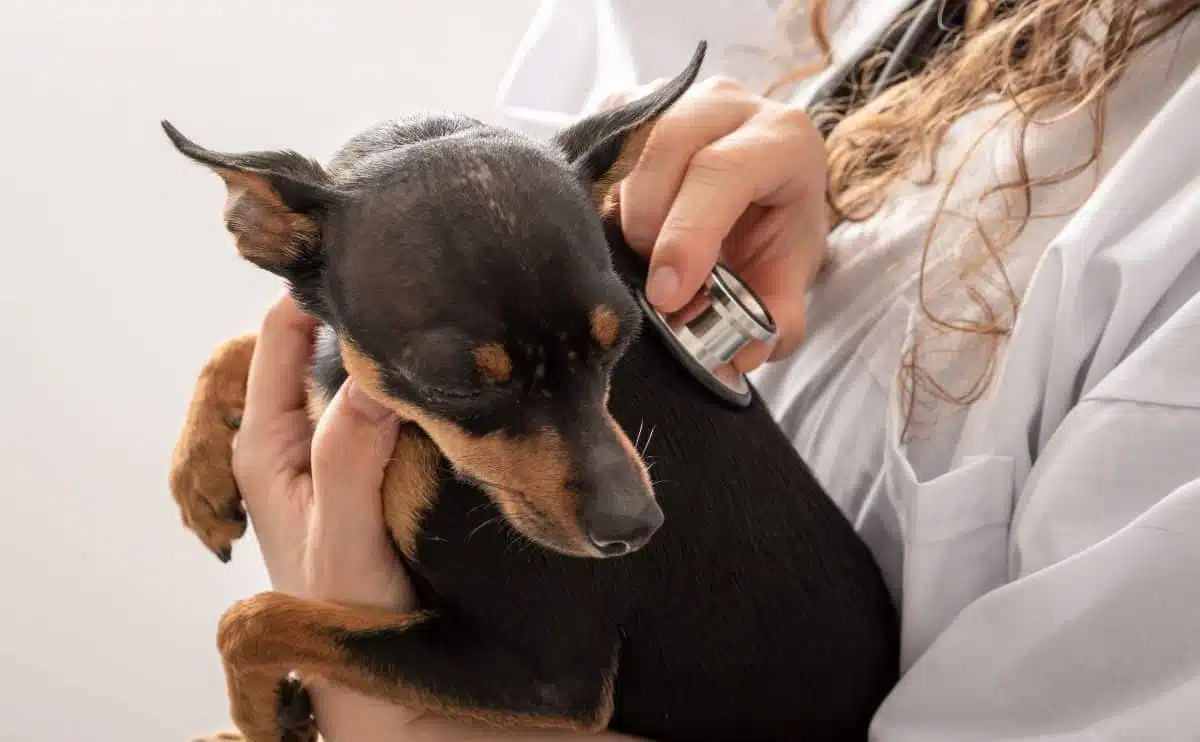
(201, 477)
(203, 486)
(294, 713)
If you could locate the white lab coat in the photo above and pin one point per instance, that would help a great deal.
(1047, 562)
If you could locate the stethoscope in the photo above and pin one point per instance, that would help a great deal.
(727, 315)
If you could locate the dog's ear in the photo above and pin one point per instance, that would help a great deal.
(604, 146)
(274, 206)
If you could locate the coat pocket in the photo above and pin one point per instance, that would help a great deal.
(957, 532)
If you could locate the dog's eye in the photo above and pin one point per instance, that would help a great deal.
(452, 393)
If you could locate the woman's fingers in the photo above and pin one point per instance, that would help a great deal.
(351, 447)
(276, 384)
(781, 291)
(712, 110)
(779, 255)
(350, 557)
(759, 164)
(272, 441)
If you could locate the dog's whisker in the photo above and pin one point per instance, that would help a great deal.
(516, 542)
(649, 438)
(481, 526)
(503, 488)
(479, 507)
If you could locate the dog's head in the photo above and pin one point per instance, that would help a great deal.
(466, 275)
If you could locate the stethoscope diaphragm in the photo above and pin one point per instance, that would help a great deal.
(705, 336)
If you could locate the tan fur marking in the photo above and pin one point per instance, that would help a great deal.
(410, 487)
(527, 478)
(201, 474)
(624, 164)
(608, 705)
(605, 326)
(493, 362)
(264, 638)
(265, 230)
(315, 401)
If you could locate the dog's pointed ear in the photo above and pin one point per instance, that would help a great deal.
(604, 146)
(274, 205)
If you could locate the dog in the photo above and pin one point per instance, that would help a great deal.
(465, 277)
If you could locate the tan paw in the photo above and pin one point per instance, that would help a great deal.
(293, 712)
(283, 714)
(201, 477)
(204, 488)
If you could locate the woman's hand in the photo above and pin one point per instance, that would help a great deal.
(728, 174)
(314, 496)
(315, 502)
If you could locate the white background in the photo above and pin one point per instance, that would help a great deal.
(118, 279)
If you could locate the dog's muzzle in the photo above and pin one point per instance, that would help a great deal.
(731, 317)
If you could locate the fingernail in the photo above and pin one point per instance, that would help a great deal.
(364, 405)
(662, 285)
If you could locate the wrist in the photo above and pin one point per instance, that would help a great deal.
(346, 716)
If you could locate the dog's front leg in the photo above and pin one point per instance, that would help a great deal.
(426, 662)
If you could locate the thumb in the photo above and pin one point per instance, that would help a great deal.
(351, 447)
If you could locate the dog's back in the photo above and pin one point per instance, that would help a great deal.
(762, 615)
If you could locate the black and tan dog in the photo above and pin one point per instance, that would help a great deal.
(465, 278)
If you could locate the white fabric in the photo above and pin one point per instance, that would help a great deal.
(1043, 544)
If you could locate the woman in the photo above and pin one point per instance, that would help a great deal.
(999, 379)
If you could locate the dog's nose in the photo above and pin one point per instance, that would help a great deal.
(617, 534)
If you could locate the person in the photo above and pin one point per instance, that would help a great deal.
(987, 281)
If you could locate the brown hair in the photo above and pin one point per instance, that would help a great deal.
(1039, 56)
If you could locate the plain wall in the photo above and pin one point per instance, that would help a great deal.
(118, 279)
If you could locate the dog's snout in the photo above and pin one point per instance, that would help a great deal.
(618, 513)
(616, 531)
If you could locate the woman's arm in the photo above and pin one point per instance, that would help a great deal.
(343, 716)
(346, 717)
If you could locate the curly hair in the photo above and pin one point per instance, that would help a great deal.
(1047, 59)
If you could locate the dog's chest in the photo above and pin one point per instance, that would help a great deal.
(464, 545)
(472, 563)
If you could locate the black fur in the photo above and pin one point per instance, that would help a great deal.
(754, 613)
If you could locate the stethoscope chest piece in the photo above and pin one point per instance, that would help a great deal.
(707, 334)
